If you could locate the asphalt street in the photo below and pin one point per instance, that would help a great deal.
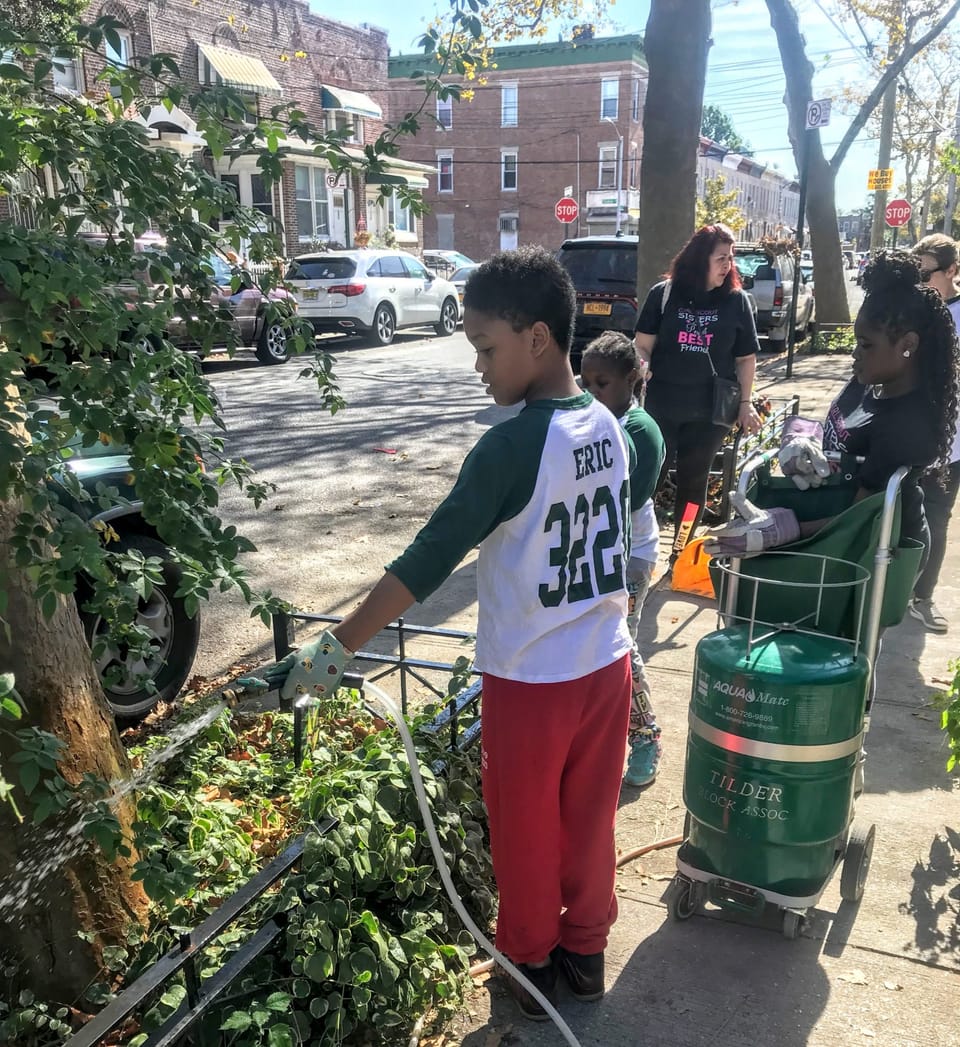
(352, 488)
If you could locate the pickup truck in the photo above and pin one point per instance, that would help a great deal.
(769, 278)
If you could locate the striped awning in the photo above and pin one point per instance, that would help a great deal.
(349, 102)
(244, 72)
(411, 181)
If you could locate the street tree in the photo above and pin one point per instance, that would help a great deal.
(910, 26)
(718, 205)
(718, 127)
(84, 359)
(676, 42)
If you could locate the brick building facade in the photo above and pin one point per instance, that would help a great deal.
(549, 116)
(274, 51)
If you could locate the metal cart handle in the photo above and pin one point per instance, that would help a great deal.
(881, 559)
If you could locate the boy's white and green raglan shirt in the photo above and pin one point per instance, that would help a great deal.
(547, 496)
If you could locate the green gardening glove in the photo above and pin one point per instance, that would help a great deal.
(316, 669)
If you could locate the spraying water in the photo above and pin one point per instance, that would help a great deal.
(49, 848)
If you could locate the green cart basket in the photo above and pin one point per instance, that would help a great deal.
(777, 711)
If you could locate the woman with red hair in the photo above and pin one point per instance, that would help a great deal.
(696, 327)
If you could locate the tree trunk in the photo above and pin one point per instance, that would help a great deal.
(675, 46)
(832, 304)
(53, 885)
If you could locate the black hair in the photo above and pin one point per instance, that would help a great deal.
(523, 287)
(613, 348)
(896, 302)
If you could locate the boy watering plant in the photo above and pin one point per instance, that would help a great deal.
(546, 496)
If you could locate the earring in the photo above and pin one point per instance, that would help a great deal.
(906, 353)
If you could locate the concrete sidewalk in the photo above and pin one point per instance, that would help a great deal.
(883, 973)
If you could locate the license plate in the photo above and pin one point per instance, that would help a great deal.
(597, 308)
(310, 294)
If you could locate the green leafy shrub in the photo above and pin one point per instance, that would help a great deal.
(949, 701)
(829, 343)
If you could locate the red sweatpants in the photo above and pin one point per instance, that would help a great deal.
(552, 765)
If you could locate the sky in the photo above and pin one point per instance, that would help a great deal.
(744, 75)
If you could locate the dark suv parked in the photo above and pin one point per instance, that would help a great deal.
(604, 272)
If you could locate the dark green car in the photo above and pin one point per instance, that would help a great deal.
(134, 684)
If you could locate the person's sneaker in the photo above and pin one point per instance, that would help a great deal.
(545, 979)
(643, 761)
(926, 611)
(584, 974)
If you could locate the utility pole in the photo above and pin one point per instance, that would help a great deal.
(952, 181)
(879, 228)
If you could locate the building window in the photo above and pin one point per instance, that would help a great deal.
(635, 102)
(313, 206)
(609, 98)
(261, 194)
(119, 56)
(445, 173)
(509, 105)
(348, 124)
(508, 171)
(232, 181)
(608, 167)
(445, 113)
(400, 215)
(66, 75)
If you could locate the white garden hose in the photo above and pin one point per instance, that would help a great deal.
(444, 870)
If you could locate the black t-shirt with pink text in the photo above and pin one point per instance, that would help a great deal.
(718, 322)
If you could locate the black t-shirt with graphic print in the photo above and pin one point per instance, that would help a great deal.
(717, 322)
(887, 434)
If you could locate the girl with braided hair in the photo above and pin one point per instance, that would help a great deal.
(898, 409)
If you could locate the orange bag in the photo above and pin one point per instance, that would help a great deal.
(691, 571)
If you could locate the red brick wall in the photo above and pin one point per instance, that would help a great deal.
(553, 103)
(335, 54)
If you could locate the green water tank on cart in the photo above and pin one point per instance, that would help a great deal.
(774, 736)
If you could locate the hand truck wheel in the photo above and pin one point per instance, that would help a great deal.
(856, 862)
(683, 899)
(792, 924)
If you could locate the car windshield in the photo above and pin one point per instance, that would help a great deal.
(321, 269)
(595, 267)
(748, 264)
(462, 273)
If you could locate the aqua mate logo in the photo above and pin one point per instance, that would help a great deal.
(741, 693)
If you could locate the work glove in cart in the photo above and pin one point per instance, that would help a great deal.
(752, 530)
(801, 452)
(316, 669)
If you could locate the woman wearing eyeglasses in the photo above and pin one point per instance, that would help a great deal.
(938, 258)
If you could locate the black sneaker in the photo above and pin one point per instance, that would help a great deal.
(545, 979)
(584, 974)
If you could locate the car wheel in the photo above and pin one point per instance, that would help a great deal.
(174, 640)
(384, 325)
(448, 318)
(272, 345)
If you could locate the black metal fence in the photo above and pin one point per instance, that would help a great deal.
(184, 957)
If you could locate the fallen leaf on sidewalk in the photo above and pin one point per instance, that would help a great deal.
(922, 716)
(892, 986)
(854, 977)
(663, 877)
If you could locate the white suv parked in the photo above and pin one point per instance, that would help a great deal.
(371, 292)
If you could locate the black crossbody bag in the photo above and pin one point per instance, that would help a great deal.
(726, 391)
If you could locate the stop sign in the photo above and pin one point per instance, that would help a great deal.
(566, 209)
(898, 213)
